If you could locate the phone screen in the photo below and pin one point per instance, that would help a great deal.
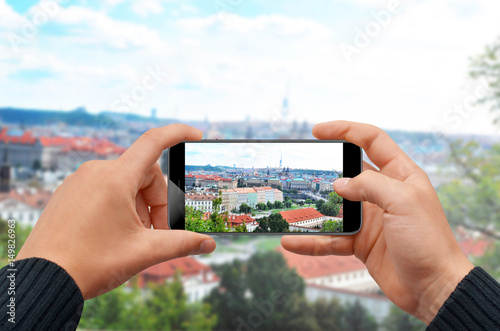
(263, 187)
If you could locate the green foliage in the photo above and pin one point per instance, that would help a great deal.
(261, 206)
(262, 286)
(245, 209)
(273, 223)
(270, 205)
(277, 223)
(332, 206)
(21, 234)
(241, 228)
(308, 201)
(472, 199)
(356, 318)
(162, 307)
(398, 320)
(288, 204)
(319, 203)
(486, 69)
(278, 204)
(333, 226)
(215, 223)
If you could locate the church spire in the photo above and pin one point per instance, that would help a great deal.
(6, 153)
(5, 171)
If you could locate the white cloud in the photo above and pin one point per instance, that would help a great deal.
(9, 18)
(92, 27)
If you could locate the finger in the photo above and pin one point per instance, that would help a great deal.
(388, 193)
(154, 190)
(146, 151)
(166, 245)
(142, 210)
(368, 166)
(319, 245)
(377, 144)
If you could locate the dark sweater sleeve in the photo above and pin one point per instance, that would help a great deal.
(474, 305)
(38, 294)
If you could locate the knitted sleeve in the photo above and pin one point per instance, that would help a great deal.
(474, 305)
(36, 294)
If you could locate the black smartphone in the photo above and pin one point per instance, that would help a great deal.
(262, 186)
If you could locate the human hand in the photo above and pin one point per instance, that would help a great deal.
(97, 225)
(405, 241)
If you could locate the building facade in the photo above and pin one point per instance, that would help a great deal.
(203, 202)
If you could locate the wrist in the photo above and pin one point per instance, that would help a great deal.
(439, 290)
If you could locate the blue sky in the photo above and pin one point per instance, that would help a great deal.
(317, 156)
(235, 59)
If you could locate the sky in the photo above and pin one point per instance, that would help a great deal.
(316, 156)
(402, 66)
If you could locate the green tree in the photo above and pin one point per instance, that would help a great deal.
(163, 307)
(472, 199)
(245, 209)
(398, 320)
(357, 318)
(261, 206)
(276, 223)
(329, 315)
(215, 223)
(229, 300)
(319, 203)
(288, 204)
(263, 225)
(486, 69)
(20, 233)
(270, 205)
(308, 202)
(278, 204)
(241, 228)
(333, 226)
(268, 277)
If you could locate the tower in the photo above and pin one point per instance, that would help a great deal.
(5, 171)
(284, 109)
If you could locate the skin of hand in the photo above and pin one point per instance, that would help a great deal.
(98, 223)
(405, 240)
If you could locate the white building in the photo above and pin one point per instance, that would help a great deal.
(23, 206)
(304, 217)
(197, 279)
(343, 272)
(202, 202)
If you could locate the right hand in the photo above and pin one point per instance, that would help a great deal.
(405, 241)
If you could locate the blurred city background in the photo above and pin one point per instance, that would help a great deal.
(82, 81)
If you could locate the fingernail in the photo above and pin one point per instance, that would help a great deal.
(341, 183)
(206, 246)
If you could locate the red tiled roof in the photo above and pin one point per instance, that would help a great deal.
(320, 266)
(238, 219)
(24, 139)
(200, 197)
(37, 199)
(188, 266)
(474, 247)
(303, 214)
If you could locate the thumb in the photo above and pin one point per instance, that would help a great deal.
(388, 193)
(170, 244)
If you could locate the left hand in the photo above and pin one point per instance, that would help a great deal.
(97, 225)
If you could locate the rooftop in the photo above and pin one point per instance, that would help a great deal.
(320, 266)
(303, 214)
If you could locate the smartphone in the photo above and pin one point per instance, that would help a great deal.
(262, 187)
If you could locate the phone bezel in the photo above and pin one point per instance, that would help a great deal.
(352, 166)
